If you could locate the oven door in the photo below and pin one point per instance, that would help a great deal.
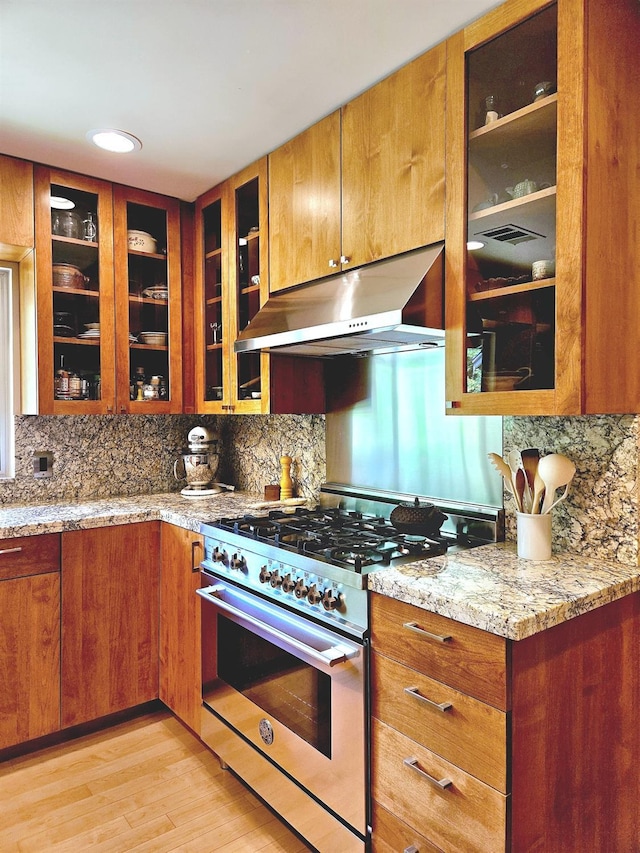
(291, 688)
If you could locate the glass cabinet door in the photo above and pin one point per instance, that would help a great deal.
(75, 293)
(210, 302)
(148, 306)
(248, 284)
(511, 208)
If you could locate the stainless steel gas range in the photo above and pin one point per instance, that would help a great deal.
(285, 650)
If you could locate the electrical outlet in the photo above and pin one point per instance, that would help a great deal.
(42, 464)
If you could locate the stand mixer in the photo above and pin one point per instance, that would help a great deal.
(198, 464)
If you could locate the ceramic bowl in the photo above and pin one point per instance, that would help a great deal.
(141, 241)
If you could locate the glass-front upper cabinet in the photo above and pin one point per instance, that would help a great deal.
(210, 301)
(248, 240)
(148, 302)
(231, 284)
(502, 307)
(74, 264)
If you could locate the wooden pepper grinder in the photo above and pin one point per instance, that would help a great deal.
(286, 484)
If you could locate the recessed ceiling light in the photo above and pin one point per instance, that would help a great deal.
(60, 203)
(114, 140)
(474, 244)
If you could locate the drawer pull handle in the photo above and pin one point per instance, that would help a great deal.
(442, 706)
(439, 783)
(411, 849)
(10, 550)
(413, 626)
(195, 566)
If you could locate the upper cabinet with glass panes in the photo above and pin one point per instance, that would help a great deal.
(529, 245)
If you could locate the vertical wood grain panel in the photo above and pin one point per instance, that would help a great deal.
(29, 657)
(393, 162)
(110, 578)
(304, 205)
(180, 667)
(16, 205)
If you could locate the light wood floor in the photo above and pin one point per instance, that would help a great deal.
(146, 785)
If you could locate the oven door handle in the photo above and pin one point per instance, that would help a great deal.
(335, 654)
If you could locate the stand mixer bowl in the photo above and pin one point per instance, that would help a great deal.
(198, 465)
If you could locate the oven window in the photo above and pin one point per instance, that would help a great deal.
(293, 692)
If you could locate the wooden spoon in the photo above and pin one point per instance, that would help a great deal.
(530, 460)
(556, 470)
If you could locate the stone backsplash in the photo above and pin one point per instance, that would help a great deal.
(600, 517)
(105, 456)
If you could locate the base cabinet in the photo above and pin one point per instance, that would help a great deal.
(29, 638)
(553, 765)
(180, 666)
(109, 620)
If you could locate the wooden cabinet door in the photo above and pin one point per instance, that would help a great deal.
(16, 208)
(393, 149)
(110, 578)
(180, 668)
(29, 657)
(148, 299)
(74, 288)
(304, 205)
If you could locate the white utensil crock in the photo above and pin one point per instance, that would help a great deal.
(534, 536)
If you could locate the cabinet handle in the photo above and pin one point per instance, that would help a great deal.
(442, 706)
(195, 568)
(411, 849)
(344, 259)
(439, 783)
(413, 626)
(109, 410)
(10, 550)
(333, 263)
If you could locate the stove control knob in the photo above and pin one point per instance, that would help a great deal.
(288, 583)
(300, 590)
(330, 601)
(238, 562)
(220, 556)
(265, 575)
(314, 596)
(275, 580)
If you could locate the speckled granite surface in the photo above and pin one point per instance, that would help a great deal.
(108, 512)
(600, 516)
(491, 588)
(487, 587)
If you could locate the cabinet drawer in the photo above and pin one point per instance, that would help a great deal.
(391, 835)
(466, 658)
(465, 815)
(29, 555)
(463, 730)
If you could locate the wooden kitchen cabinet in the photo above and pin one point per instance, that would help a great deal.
(543, 143)
(148, 300)
(29, 638)
(180, 659)
(534, 742)
(393, 155)
(110, 589)
(17, 235)
(74, 289)
(94, 292)
(231, 284)
(364, 183)
(305, 206)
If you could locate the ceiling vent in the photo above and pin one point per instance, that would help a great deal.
(513, 234)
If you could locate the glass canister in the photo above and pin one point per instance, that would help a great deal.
(67, 223)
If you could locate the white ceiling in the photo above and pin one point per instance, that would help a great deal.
(207, 85)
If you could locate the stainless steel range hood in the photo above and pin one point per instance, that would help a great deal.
(386, 306)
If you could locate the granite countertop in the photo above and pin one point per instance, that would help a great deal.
(491, 588)
(487, 587)
(30, 520)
